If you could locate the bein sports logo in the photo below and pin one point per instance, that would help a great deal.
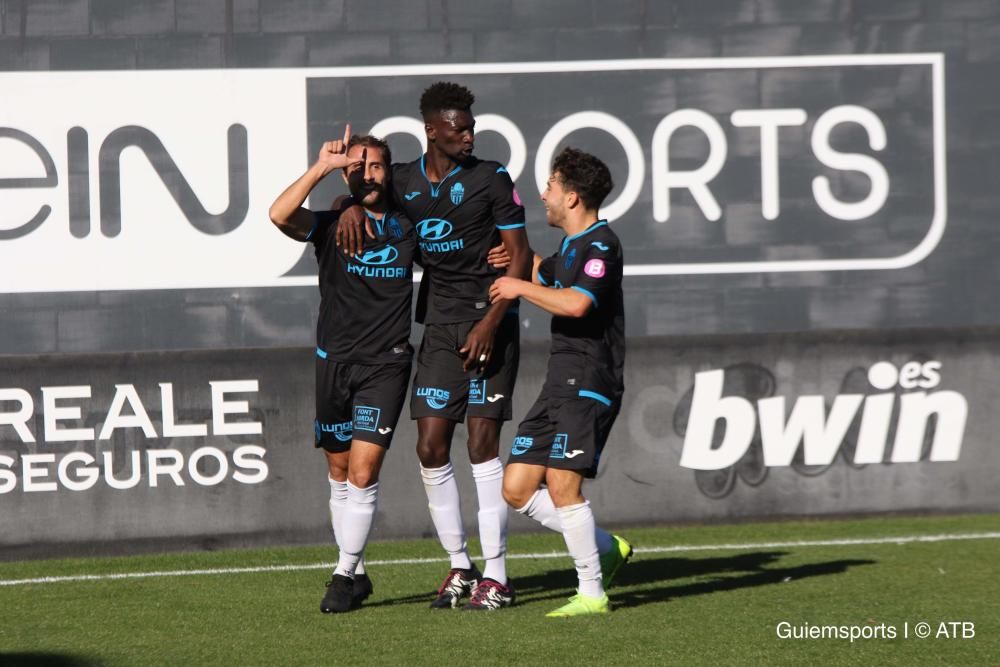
(819, 432)
(436, 398)
(132, 175)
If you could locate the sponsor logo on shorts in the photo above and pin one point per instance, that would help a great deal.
(436, 398)
(559, 446)
(342, 431)
(573, 454)
(366, 418)
(522, 443)
(594, 268)
(494, 398)
(477, 392)
(385, 431)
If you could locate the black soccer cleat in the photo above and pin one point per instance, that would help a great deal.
(362, 589)
(339, 595)
(458, 584)
(490, 595)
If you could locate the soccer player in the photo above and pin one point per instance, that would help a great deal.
(560, 440)
(363, 354)
(468, 358)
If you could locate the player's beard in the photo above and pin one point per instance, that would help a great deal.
(369, 195)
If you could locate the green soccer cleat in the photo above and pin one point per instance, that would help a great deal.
(581, 605)
(611, 562)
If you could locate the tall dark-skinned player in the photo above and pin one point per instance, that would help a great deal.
(467, 364)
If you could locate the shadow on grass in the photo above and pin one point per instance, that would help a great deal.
(719, 574)
(40, 659)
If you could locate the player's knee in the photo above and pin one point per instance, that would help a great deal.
(432, 454)
(514, 495)
(362, 478)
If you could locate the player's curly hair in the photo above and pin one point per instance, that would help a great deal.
(445, 96)
(585, 175)
(371, 142)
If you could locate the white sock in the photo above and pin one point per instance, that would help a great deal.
(492, 518)
(338, 504)
(578, 531)
(355, 526)
(446, 512)
(541, 509)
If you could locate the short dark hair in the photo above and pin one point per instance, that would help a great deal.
(585, 175)
(445, 96)
(371, 142)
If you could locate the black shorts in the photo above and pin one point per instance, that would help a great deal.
(566, 431)
(442, 389)
(358, 401)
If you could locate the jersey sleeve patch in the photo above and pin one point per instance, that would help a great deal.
(595, 268)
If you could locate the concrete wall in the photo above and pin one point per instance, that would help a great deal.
(646, 473)
(951, 287)
(128, 278)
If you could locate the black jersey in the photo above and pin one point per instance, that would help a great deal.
(588, 353)
(364, 312)
(457, 222)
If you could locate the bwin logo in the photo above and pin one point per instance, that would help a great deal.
(820, 432)
(386, 255)
(457, 192)
(436, 398)
(434, 229)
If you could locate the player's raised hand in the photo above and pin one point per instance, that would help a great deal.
(333, 154)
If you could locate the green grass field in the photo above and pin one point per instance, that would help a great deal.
(692, 595)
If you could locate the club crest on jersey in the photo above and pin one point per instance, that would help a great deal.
(457, 192)
(395, 229)
(570, 257)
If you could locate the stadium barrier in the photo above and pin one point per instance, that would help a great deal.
(200, 449)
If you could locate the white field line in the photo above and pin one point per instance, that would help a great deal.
(862, 541)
